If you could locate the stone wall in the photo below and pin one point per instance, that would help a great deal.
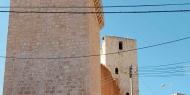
(109, 84)
(49, 46)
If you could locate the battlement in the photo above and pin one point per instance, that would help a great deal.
(97, 6)
(99, 9)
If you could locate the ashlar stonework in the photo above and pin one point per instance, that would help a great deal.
(43, 44)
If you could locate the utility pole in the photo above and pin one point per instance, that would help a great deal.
(131, 78)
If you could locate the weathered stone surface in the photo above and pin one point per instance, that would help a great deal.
(48, 36)
(121, 60)
(109, 85)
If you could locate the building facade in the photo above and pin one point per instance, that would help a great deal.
(178, 94)
(46, 50)
(118, 55)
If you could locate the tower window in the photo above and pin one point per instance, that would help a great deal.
(120, 45)
(127, 93)
(116, 71)
(102, 38)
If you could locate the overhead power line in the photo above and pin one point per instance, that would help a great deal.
(164, 76)
(158, 66)
(164, 69)
(160, 44)
(111, 6)
(185, 70)
(106, 12)
(84, 56)
(178, 65)
(160, 71)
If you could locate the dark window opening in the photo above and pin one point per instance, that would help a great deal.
(127, 93)
(120, 45)
(102, 38)
(116, 71)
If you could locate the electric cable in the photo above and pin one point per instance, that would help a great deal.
(157, 66)
(106, 12)
(95, 55)
(111, 6)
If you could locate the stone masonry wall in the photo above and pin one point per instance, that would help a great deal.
(46, 41)
(109, 85)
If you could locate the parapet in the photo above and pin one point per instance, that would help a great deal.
(99, 10)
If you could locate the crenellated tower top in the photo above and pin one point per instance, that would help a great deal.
(99, 10)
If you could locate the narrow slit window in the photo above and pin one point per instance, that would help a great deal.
(116, 71)
(102, 38)
(120, 45)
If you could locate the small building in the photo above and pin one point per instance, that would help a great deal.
(118, 55)
(178, 94)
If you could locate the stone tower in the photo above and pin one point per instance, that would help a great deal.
(52, 49)
(120, 62)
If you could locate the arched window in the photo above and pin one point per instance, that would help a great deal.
(116, 71)
(127, 93)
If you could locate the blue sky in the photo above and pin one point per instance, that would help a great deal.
(147, 29)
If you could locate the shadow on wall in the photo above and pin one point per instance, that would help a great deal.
(108, 83)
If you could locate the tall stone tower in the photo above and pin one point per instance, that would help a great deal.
(120, 62)
(51, 49)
